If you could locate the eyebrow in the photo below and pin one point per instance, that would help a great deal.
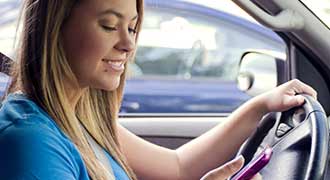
(115, 13)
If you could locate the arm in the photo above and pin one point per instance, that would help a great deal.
(195, 158)
(213, 148)
(149, 161)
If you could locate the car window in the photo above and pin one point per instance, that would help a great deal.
(4, 79)
(321, 8)
(9, 10)
(183, 47)
(186, 45)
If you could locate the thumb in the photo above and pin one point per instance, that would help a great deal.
(226, 170)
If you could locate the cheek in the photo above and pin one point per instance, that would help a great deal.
(85, 47)
(85, 44)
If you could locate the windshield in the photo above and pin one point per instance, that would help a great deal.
(320, 8)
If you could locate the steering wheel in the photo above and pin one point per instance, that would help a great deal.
(300, 141)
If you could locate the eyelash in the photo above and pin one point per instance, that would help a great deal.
(131, 30)
(107, 28)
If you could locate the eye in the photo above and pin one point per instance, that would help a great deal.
(132, 31)
(108, 28)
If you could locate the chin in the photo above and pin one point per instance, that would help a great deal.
(110, 86)
(106, 84)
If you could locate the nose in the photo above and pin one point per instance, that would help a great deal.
(126, 42)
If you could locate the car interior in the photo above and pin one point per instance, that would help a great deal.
(299, 137)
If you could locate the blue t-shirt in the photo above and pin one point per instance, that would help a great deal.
(32, 146)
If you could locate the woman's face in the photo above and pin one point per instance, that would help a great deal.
(98, 37)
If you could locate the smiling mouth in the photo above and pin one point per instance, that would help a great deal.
(115, 65)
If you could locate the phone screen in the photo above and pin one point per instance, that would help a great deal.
(255, 165)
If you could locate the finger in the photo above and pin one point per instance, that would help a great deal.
(227, 169)
(301, 87)
(257, 177)
(309, 90)
(293, 101)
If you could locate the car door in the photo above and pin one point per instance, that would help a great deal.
(303, 61)
(170, 106)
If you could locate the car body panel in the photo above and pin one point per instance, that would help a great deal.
(179, 96)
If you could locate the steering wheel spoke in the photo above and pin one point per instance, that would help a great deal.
(295, 136)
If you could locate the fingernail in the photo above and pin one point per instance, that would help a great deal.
(239, 158)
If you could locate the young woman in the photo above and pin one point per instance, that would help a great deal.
(66, 91)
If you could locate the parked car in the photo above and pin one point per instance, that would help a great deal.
(187, 60)
(188, 57)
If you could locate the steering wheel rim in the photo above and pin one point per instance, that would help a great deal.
(290, 141)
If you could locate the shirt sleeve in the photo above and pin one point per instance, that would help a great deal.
(34, 151)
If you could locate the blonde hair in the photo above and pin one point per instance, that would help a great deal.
(42, 69)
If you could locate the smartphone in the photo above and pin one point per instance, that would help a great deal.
(255, 165)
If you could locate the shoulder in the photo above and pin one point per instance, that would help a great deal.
(30, 131)
(17, 110)
(32, 146)
(33, 149)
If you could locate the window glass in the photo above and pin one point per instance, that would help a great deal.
(188, 58)
(321, 8)
(184, 45)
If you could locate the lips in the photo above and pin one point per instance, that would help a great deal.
(115, 65)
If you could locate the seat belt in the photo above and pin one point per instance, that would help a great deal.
(99, 152)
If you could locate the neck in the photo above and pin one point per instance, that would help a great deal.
(74, 94)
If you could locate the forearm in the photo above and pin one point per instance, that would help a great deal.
(218, 145)
(149, 161)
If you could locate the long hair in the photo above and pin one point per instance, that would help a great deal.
(41, 70)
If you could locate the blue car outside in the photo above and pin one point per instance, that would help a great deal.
(161, 93)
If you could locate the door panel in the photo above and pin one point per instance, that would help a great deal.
(169, 132)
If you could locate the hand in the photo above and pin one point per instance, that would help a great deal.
(286, 96)
(227, 170)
